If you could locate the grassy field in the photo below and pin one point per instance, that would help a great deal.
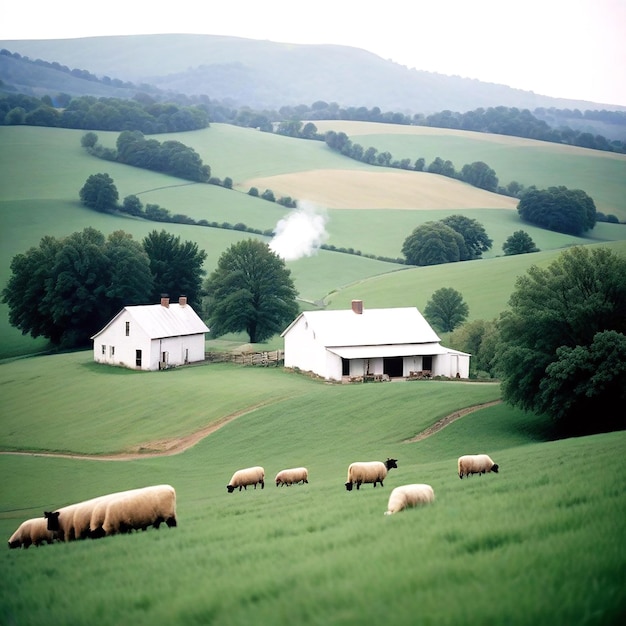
(42, 198)
(538, 543)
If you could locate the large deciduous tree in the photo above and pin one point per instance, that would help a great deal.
(100, 193)
(562, 348)
(563, 210)
(479, 174)
(432, 243)
(446, 309)
(251, 290)
(520, 242)
(473, 233)
(67, 289)
(176, 266)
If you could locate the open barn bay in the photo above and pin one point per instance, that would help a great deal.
(538, 543)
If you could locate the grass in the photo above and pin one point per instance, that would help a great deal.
(43, 199)
(511, 548)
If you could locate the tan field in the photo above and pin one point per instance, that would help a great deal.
(396, 189)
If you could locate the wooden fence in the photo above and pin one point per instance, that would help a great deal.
(271, 358)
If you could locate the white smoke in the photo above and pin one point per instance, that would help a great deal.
(300, 233)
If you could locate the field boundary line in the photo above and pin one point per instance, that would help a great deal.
(448, 419)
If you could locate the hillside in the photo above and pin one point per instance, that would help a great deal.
(265, 74)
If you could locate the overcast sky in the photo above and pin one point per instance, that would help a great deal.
(563, 48)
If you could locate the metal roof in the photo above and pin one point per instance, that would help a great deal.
(159, 321)
(372, 327)
(372, 352)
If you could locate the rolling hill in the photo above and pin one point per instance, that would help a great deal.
(264, 74)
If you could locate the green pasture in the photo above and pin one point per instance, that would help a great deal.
(42, 170)
(540, 163)
(538, 543)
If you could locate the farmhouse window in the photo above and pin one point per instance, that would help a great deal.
(127, 329)
(138, 358)
(104, 349)
(112, 350)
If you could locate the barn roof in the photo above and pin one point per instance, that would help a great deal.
(158, 321)
(371, 327)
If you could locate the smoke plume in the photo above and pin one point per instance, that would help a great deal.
(300, 233)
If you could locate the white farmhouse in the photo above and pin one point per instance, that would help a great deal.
(151, 337)
(370, 343)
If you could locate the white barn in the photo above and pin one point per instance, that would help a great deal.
(376, 343)
(152, 337)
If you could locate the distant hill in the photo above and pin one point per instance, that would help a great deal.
(258, 74)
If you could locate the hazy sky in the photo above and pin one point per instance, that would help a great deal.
(563, 48)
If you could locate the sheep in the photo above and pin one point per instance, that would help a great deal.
(32, 532)
(476, 464)
(293, 475)
(244, 477)
(98, 511)
(139, 508)
(407, 496)
(73, 521)
(369, 472)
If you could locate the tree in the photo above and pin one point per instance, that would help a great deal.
(67, 289)
(100, 193)
(520, 242)
(564, 336)
(132, 205)
(433, 243)
(176, 267)
(480, 175)
(89, 140)
(479, 338)
(446, 309)
(473, 233)
(563, 210)
(251, 290)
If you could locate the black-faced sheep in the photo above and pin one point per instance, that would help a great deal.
(248, 476)
(407, 496)
(139, 508)
(476, 464)
(72, 521)
(32, 532)
(368, 472)
(291, 476)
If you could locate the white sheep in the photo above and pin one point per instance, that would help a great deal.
(476, 464)
(72, 522)
(248, 476)
(368, 472)
(32, 532)
(139, 508)
(98, 511)
(291, 476)
(407, 496)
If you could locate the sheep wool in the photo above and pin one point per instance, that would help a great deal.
(140, 508)
(291, 476)
(368, 472)
(248, 476)
(476, 464)
(407, 496)
(32, 532)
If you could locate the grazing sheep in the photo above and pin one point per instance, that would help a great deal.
(476, 464)
(248, 476)
(293, 475)
(138, 509)
(98, 512)
(408, 496)
(72, 522)
(32, 532)
(368, 472)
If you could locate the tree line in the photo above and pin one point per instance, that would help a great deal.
(91, 113)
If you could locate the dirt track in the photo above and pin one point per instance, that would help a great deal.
(169, 447)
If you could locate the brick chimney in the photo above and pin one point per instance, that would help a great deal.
(165, 300)
(182, 300)
(357, 306)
